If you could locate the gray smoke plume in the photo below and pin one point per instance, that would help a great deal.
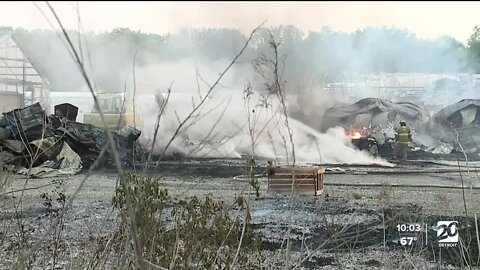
(224, 119)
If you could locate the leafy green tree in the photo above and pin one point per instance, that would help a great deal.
(474, 49)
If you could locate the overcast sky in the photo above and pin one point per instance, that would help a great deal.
(426, 19)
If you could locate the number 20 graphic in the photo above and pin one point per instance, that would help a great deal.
(447, 231)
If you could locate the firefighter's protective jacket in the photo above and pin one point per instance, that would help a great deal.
(403, 135)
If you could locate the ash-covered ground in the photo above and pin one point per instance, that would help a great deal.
(352, 225)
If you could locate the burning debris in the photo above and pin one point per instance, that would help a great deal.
(370, 123)
(364, 141)
(56, 144)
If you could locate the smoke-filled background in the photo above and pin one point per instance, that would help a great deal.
(323, 56)
(192, 59)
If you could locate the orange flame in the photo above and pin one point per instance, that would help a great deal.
(356, 135)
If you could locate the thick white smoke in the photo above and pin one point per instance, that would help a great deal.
(222, 128)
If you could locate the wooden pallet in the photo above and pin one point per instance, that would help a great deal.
(307, 180)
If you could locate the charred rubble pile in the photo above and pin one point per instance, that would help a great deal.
(34, 143)
(457, 128)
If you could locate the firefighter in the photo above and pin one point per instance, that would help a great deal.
(403, 138)
(372, 145)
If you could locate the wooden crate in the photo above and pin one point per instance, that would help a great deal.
(307, 180)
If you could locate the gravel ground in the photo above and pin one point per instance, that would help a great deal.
(312, 220)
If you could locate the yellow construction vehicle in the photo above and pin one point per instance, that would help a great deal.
(117, 110)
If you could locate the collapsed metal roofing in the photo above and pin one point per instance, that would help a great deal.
(371, 104)
(371, 112)
(461, 113)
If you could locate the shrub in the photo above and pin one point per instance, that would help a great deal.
(184, 234)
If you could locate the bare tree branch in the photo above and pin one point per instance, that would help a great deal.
(111, 144)
(209, 91)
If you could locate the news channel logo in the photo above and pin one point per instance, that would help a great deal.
(447, 233)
